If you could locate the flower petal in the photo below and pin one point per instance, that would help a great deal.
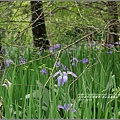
(73, 64)
(85, 60)
(5, 85)
(67, 106)
(110, 52)
(8, 61)
(51, 49)
(73, 74)
(65, 78)
(64, 74)
(43, 71)
(64, 67)
(60, 106)
(57, 46)
(57, 73)
(75, 59)
(59, 80)
(73, 110)
(58, 64)
(117, 43)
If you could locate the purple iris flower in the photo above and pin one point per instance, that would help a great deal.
(51, 49)
(58, 64)
(63, 76)
(66, 107)
(73, 64)
(43, 71)
(111, 45)
(110, 52)
(8, 61)
(40, 51)
(73, 61)
(85, 60)
(117, 43)
(22, 61)
(64, 67)
(57, 46)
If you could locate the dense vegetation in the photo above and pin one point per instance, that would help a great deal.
(77, 77)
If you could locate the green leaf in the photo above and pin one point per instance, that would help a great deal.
(42, 92)
(110, 82)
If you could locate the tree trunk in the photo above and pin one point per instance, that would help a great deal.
(38, 25)
(112, 35)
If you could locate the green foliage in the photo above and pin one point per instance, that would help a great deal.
(37, 96)
(34, 95)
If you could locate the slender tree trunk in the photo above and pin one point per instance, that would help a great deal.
(112, 35)
(38, 25)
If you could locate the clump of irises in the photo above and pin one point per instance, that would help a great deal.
(55, 47)
(59, 64)
(75, 60)
(64, 71)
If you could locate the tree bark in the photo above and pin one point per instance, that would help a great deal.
(112, 35)
(38, 25)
